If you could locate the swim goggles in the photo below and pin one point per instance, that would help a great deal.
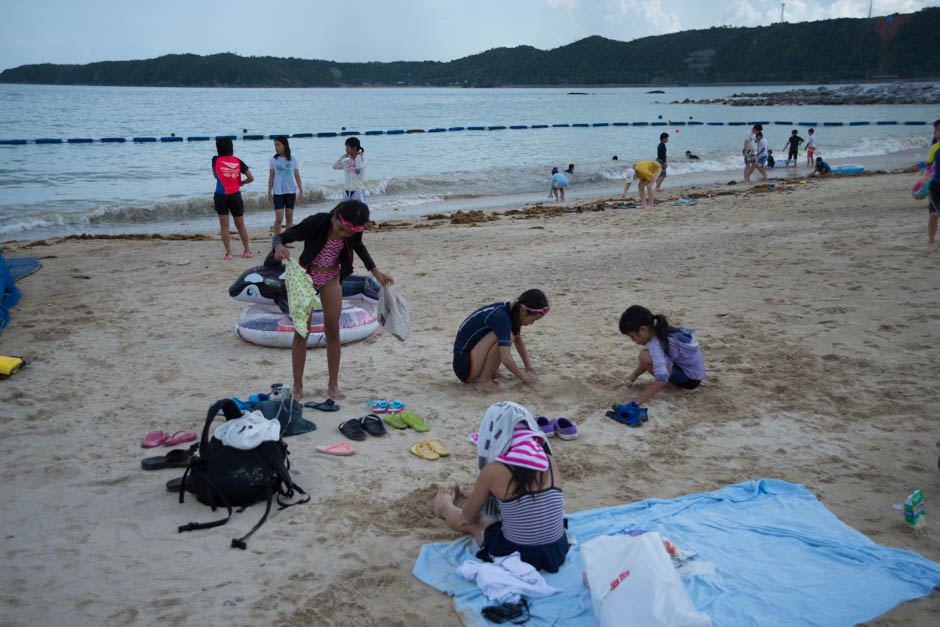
(543, 310)
(349, 225)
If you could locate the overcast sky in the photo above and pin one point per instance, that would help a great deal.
(82, 31)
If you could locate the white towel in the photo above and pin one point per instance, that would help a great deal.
(394, 313)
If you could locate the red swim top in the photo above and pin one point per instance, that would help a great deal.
(228, 173)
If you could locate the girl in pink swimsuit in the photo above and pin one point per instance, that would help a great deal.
(329, 241)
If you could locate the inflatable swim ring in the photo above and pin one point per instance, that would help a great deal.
(921, 187)
(268, 323)
(849, 168)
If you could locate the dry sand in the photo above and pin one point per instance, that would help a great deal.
(816, 310)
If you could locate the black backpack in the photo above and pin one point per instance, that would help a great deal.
(221, 475)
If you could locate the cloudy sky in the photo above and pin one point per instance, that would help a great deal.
(70, 31)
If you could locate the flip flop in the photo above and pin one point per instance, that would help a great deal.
(246, 255)
(395, 420)
(336, 449)
(180, 437)
(372, 425)
(415, 421)
(228, 257)
(396, 406)
(438, 447)
(352, 429)
(155, 439)
(379, 406)
(174, 485)
(327, 405)
(177, 458)
(424, 451)
(630, 421)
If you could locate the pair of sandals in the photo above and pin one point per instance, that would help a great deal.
(630, 414)
(163, 438)
(429, 449)
(382, 406)
(562, 427)
(359, 428)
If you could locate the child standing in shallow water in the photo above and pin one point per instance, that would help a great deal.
(671, 355)
(353, 164)
(284, 186)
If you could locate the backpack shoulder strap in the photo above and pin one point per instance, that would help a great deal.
(228, 407)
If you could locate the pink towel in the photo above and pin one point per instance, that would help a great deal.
(526, 450)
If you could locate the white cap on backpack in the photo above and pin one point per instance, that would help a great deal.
(249, 431)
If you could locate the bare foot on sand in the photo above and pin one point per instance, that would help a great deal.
(333, 392)
(490, 387)
(297, 392)
(443, 501)
(465, 490)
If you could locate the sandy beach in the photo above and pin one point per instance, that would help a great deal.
(815, 307)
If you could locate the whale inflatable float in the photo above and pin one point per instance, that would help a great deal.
(268, 323)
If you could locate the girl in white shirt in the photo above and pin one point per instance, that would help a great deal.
(353, 163)
(284, 186)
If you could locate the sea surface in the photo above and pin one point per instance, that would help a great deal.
(54, 190)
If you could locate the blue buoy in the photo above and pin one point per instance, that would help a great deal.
(437, 130)
(113, 140)
(560, 125)
(658, 124)
(144, 140)
(518, 126)
(301, 135)
(601, 124)
(539, 126)
(641, 124)
(171, 138)
(832, 124)
(695, 123)
(736, 123)
(396, 131)
(783, 123)
(348, 133)
(415, 130)
(253, 137)
(913, 123)
(677, 124)
(716, 123)
(761, 122)
(48, 140)
(886, 122)
(807, 124)
(580, 125)
(496, 127)
(226, 136)
(375, 132)
(476, 128)
(455, 128)
(859, 123)
(621, 124)
(12, 142)
(198, 138)
(79, 140)
(326, 134)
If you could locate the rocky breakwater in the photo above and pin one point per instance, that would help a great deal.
(895, 93)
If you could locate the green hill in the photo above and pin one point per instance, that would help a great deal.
(824, 51)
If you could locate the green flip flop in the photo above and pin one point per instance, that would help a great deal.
(394, 420)
(414, 421)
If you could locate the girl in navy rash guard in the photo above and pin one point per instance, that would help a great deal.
(484, 339)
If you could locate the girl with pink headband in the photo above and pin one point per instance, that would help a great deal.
(484, 339)
(329, 241)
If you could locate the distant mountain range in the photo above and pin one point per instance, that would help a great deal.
(898, 46)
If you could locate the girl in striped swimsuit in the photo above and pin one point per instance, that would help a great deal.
(525, 481)
(329, 241)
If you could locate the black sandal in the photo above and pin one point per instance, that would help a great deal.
(352, 429)
(373, 425)
(177, 458)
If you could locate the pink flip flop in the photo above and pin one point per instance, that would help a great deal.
(228, 257)
(336, 449)
(179, 437)
(155, 439)
(246, 255)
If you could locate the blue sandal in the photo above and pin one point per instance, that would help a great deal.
(630, 414)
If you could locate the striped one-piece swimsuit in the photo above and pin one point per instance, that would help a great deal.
(534, 518)
(328, 257)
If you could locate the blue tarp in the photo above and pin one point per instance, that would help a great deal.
(781, 558)
(9, 294)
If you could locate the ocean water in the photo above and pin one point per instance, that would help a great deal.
(52, 190)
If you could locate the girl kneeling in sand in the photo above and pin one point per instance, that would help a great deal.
(671, 355)
(520, 484)
(329, 239)
(484, 338)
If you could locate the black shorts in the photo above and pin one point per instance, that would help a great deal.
(934, 188)
(463, 366)
(229, 203)
(793, 154)
(282, 201)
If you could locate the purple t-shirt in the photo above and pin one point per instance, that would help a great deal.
(684, 352)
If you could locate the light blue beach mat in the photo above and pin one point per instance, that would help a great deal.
(781, 558)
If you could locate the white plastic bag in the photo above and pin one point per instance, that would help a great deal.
(633, 582)
(394, 313)
(249, 431)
